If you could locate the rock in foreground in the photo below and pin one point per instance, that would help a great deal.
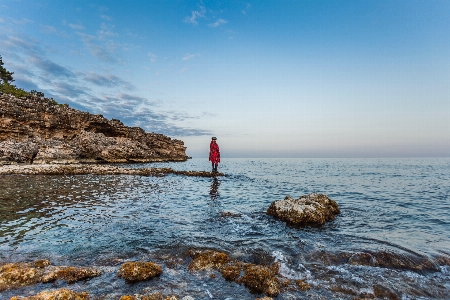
(139, 271)
(61, 294)
(308, 209)
(19, 274)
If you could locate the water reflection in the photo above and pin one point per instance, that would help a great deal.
(214, 190)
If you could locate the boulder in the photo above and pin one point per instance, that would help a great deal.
(19, 274)
(139, 271)
(308, 209)
(207, 259)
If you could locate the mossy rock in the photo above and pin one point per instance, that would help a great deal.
(139, 271)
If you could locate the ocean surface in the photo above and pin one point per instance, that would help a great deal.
(397, 211)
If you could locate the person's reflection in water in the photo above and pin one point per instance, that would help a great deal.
(214, 191)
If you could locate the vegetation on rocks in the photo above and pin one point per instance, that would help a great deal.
(61, 294)
(139, 271)
(14, 275)
(207, 259)
(35, 129)
(155, 296)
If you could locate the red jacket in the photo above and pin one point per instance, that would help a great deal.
(214, 153)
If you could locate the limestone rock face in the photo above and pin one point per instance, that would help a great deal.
(37, 130)
(308, 209)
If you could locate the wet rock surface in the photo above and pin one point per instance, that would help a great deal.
(103, 169)
(139, 271)
(207, 259)
(61, 294)
(155, 296)
(308, 209)
(258, 279)
(15, 275)
(38, 130)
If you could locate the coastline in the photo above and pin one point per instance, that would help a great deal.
(95, 169)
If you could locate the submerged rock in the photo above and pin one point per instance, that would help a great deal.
(207, 259)
(15, 275)
(229, 214)
(139, 271)
(61, 294)
(154, 296)
(308, 209)
(261, 279)
(257, 278)
(69, 274)
(302, 285)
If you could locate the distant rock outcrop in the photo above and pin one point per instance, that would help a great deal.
(38, 130)
(308, 209)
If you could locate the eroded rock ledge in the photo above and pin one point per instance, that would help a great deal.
(38, 130)
(96, 169)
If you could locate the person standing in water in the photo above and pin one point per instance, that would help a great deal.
(214, 154)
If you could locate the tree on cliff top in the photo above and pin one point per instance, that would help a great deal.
(5, 83)
(5, 76)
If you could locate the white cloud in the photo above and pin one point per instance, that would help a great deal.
(218, 23)
(48, 29)
(188, 56)
(195, 14)
(106, 30)
(76, 26)
(247, 7)
(153, 57)
(108, 18)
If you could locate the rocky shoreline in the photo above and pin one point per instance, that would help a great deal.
(37, 130)
(96, 169)
(262, 279)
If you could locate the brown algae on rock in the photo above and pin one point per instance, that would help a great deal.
(61, 294)
(19, 274)
(257, 278)
(308, 209)
(15, 275)
(207, 259)
(139, 271)
(154, 296)
(69, 274)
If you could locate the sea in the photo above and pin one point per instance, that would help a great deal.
(390, 241)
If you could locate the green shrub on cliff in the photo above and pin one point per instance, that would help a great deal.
(6, 87)
(5, 76)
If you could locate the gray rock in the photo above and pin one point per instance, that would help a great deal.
(308, 209)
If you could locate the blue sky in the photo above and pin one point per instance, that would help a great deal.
(268, 78)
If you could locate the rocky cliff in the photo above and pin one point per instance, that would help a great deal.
(38, 130)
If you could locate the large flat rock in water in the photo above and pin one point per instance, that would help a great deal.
(308, 209)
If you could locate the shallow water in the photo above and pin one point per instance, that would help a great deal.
(393, 209)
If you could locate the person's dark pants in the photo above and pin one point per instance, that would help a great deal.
(214, 167)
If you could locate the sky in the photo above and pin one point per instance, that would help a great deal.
(268, 78)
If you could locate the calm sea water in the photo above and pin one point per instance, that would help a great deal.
(399, 208)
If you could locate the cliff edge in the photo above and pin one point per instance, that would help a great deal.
(38, 130)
